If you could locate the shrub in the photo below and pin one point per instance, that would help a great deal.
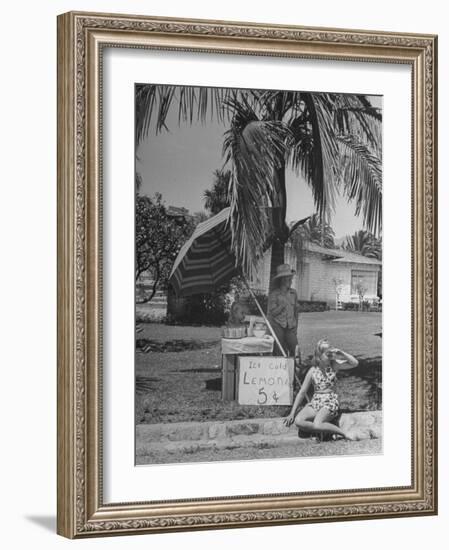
(202, 309)
(312, 305)
(250, 304)
(355, 306)
(304, 305)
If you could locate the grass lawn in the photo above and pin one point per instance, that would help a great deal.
(178, 368)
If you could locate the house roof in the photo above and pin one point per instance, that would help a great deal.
(339, 255)
(178, 212)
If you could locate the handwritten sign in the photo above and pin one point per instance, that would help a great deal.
(265, 380)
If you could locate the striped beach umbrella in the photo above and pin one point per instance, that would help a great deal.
(205, 261)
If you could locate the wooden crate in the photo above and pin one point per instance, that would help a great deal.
(229, 373)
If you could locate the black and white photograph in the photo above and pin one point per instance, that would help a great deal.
(221, 299)
(258, 274)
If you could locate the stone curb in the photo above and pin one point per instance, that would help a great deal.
(367, 424)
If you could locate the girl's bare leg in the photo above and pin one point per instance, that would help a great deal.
(304, 419)
(322, 423)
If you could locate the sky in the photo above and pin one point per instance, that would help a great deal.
(179, 164)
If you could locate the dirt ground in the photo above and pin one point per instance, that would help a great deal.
(303, 450)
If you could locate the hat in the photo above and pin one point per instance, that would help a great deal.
(284, 270)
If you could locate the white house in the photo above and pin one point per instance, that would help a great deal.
(324, 274)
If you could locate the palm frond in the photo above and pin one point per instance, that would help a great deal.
(252, 150)
(193, 103)
(362, 180)
(355, 115)
(314, 230)
(280, 105)
(334, 140)
(365, 243)
(315, 152)
(145, 105)
(298, 223)
(368, 109)
(323, 134)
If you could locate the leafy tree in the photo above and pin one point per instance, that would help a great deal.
(333, 140)
(159, 238)
(361, 291)
(338, 287)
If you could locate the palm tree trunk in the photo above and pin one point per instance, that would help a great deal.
(277, 257)
(279, 211)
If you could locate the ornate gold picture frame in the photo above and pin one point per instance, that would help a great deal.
(82, 40)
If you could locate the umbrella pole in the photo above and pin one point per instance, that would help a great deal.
(264, 316)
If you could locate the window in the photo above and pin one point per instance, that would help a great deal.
(367, 280)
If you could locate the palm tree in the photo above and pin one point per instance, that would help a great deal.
(332, 140)
(217, 198)
(364, 243)
(316, 231)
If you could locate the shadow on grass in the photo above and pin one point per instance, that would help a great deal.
(370, 369)
(204, 369)
(361, 388)
(145, 384)
(214, 384)
(145, 345)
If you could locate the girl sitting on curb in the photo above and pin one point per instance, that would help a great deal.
(318, 414)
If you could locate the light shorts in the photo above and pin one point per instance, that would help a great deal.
(328, 400)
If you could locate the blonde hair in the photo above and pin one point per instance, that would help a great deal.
(319, 351)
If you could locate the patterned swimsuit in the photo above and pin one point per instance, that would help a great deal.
(324, 396)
